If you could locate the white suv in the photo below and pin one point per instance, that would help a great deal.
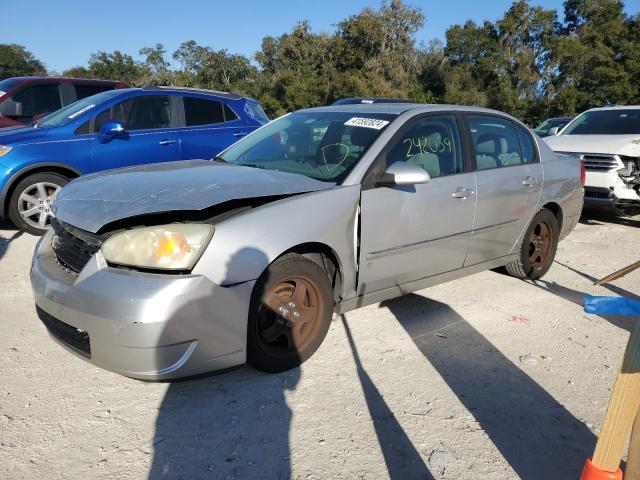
(608, 141)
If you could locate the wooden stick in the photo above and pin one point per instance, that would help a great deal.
(622, 410)
(619, 273)
(632, 471)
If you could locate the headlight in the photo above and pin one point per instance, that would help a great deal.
(4, 150)
(166, 247)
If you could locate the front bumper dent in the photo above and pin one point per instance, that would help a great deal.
(143, 325)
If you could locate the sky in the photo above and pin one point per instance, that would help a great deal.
(63, 34)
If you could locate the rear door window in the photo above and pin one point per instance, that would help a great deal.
(84, 91)
(198, 111)
(39, 99)
(496, 142)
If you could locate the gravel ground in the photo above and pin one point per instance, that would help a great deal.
(485, 377)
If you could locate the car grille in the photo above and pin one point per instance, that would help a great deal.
(73, 247)
(74, 337)
(600, 163)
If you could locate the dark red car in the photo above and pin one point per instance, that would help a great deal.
(25, 99)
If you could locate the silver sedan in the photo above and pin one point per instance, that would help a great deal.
(171, 270)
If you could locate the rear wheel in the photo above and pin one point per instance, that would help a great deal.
(290, 313)
(538, 248)
(30, 202)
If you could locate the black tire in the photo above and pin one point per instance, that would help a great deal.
(282, 353)
(13, 210)
(527, 267)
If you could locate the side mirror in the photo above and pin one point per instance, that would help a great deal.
(403, 173)
(553, 131)
(9, 108)
(111, 129)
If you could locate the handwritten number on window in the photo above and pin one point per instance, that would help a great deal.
(422, 145)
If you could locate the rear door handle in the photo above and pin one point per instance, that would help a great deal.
(463, 192)
(167, 142)
(529, 181)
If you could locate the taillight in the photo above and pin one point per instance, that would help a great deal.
(583, 173)
(121, 85)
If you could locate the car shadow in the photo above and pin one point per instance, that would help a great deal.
(401, 458)
(577, 297)
(234, 425)
(536, 435)
(600, 217)
(230, 425)
(5, 242)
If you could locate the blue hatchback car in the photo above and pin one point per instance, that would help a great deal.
(114, 129)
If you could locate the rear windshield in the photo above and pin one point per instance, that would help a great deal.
(322, 145)
(76, 109)
(8, 84)
(605, 122)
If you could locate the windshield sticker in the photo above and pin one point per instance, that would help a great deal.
(81, 111)
(367, 123)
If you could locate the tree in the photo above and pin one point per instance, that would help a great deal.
(156, 68)
(116, 66)
(17, 61)
(78, 72)
(596, 54)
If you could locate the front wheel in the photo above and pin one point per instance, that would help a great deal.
(538, 248)
(290, 313)
(30, 203)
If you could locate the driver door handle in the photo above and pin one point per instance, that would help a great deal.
(240, 134)
(462, 192)
(529, 181)
(167, 142)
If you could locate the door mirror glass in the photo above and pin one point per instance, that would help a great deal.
(553, 131)
(111, 129)
(9, 108)
(403, 173)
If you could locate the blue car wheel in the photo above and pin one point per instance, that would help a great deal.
(30, 203)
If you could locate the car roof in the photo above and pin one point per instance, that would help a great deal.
(202, 91)
(617, 107)
(398, 108)
(65, 79)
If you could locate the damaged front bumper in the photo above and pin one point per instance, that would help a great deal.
(606, 199)
(141, 325)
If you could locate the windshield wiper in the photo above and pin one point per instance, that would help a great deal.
(219, 159)
(253, 165)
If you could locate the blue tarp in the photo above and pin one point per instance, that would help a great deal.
(612, 306)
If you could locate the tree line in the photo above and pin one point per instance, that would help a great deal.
(532, 63)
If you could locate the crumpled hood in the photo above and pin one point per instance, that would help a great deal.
(18, 134)
(611, 144)
(93, 201)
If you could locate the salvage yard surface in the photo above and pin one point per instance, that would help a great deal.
(486, 377)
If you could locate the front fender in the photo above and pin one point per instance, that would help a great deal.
(243, 246)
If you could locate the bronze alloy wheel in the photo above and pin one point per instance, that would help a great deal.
(540, 245)
(290, 313)
(289, 316)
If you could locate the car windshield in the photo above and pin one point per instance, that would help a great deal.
(71, 112)
(323, 145)
(605, 122)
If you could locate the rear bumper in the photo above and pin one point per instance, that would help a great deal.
(141, 325)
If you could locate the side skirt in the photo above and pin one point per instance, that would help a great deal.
(415, 285)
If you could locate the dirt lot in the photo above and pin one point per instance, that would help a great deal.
(486, 377)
